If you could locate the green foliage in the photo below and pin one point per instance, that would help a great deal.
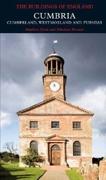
(74, 174)
(32, 158)
(7, 156)
(11, 171)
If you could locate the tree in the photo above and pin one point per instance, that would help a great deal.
(9, 157)
(10, 154)
(10, 147)
(32, 157)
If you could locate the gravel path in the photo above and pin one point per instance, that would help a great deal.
(55, 173)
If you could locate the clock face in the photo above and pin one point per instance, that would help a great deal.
(54, 86)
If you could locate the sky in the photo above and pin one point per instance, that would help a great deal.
(22, 66)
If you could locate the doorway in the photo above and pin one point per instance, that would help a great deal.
(55, 155)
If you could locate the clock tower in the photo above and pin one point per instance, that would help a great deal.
(54, 80)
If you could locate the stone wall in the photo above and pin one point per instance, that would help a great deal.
(94, 172)
(91, 172)
(102, 170)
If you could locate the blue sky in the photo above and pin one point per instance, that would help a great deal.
(22, 67)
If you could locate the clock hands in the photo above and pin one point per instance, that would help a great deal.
(54, 86)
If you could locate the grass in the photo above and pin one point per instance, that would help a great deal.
(11, 171)
(74, 174)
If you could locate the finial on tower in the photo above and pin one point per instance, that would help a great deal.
(53, 46)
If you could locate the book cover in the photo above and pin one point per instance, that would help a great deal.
(53, 89)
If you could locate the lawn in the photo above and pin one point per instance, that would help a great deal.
(74, 174)
(11, 171)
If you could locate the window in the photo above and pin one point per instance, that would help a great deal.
(33, 124)
(58, 66)
(34, 145)
(76, 148)
(55, 124)
(49, 67)
(54, 67)
(55, 147)
(77, 125)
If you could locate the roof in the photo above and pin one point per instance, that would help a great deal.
(53, 54)
(58, 57)
(50, 100)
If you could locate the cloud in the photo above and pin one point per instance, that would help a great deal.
(17, 97)
(23, 54)
(20, 57)
(99, 144)
(95, 100)
(5, 119)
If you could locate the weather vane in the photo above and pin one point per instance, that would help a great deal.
(53, 46)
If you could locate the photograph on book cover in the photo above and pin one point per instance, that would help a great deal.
(53, 99)
(54, 112)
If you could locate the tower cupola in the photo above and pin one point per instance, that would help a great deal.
(54, 79)
(54, 64)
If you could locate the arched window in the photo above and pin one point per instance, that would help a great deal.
(55, 147)
(76, 148)
(34, 145)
